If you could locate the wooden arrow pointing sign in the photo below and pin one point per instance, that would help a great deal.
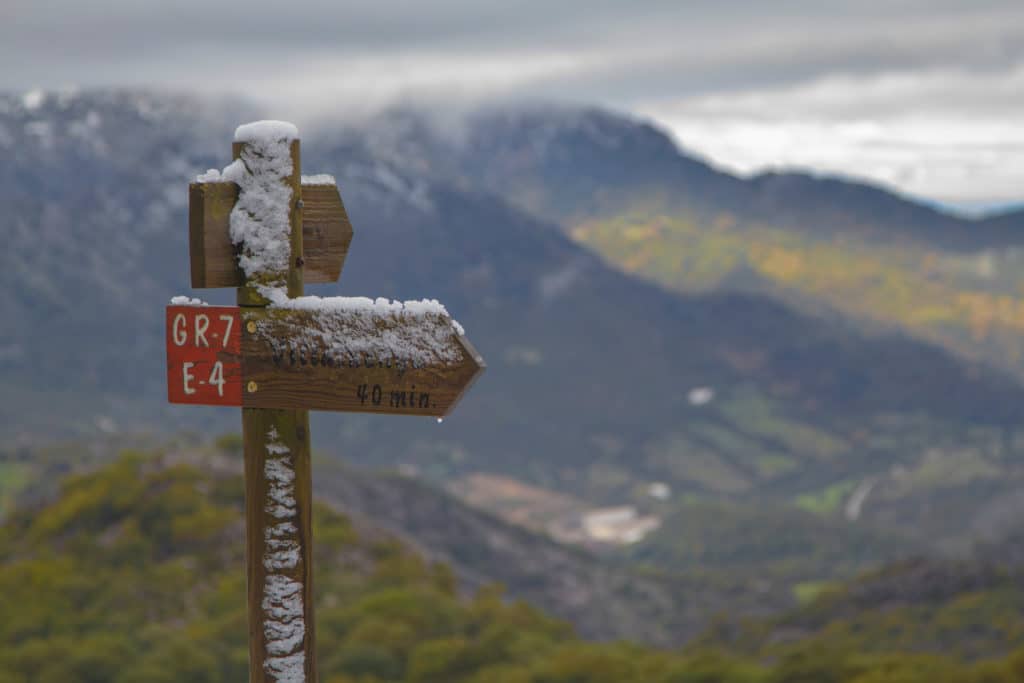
(350, 355)
(326, 233)
(263, 228)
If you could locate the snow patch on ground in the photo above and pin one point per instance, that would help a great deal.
(700, 396)
(33, 99)
(855, 504)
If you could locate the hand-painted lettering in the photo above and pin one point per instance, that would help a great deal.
(187, 378)
(217, 377)
(229, 320)
(202, 324)
(178, 331)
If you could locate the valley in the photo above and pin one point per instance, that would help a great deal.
(811, 392)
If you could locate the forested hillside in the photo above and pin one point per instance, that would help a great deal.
(134, 572)
(602, 597)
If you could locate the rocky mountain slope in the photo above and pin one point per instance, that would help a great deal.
(821, 244)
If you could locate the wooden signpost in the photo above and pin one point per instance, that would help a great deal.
(280, 358)
(263, 228)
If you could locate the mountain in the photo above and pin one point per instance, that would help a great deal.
(821, 244)
(580, 167)
(571, 163)
(599, 384)
(1010, 221)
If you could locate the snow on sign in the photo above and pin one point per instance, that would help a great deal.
(341, 353)
(356, 355)
(260, 226)
(326, 232)
(203, 355)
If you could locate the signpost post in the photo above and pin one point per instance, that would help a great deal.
(261, 227)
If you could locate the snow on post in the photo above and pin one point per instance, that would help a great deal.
(293, 353)
(261, 222)
(284, 625)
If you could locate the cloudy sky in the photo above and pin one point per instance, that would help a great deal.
(924, 95)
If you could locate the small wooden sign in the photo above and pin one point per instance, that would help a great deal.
(290, 360)
(274, 358)
(204, 365)
(326, 234)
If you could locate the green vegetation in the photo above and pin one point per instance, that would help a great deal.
(760, 416)
(971, 303)
(684, 460)
(13, 477)
(827, 501)
(135, 573)
(775, 481)
(795, 436)
(969, 610)
(779, 545)
(808, 591)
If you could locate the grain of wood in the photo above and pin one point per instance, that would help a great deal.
(310, 377)
(278, 387)
(326, 235)
(281, 436)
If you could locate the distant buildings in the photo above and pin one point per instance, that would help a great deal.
(701, 396)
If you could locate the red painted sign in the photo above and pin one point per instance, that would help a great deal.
(204, 363)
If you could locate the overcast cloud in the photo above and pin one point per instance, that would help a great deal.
(927, 96)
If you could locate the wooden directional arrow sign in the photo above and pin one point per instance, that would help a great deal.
(352, 356)
(356, 355)
(307, 353)
(326, 233)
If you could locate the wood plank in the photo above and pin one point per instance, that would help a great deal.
(277, 533)
(211, 253)
(326, 234)
(283, 372)
(279, 495)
